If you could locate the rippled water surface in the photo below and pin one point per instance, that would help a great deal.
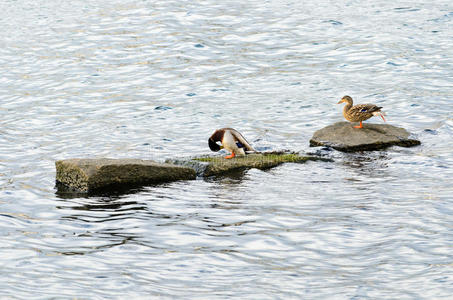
(153, 79)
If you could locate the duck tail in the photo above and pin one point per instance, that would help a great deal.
(380, 114)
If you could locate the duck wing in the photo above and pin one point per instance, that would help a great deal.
(241, 142)
(363, 111)
(365, 108)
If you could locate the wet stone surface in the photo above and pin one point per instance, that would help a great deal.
(344, 137)
(92, 175)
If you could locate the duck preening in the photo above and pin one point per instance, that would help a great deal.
(360, 112)
(230, 139)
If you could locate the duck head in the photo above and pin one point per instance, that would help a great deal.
(215, 140)
(213, 145)
(346, 99)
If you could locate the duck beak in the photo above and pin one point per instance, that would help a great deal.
(341, 101)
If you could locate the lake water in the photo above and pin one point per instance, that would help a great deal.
(153, 79)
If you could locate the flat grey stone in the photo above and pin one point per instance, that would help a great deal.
(343, 136)
(91, 175)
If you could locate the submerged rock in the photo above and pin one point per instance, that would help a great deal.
(343, 136)
(217, 165)
(92, 175)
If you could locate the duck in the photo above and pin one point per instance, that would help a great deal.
(360, 112)
(230, 139)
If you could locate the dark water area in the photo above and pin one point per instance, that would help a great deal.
(153, 79)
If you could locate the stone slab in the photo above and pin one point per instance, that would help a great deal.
(90, 175)
(344, 137)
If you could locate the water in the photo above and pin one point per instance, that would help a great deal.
(153, 79)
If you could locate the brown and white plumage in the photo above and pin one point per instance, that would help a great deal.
(360, 112)
(232, 140)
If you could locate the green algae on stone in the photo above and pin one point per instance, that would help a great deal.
(217, 165)
(262, 158)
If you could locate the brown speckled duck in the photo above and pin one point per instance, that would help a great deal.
(231, 140)
(360, 112)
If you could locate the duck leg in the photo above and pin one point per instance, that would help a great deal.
(230, 156)
(360, 125)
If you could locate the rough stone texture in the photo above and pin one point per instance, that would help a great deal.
(343, 136)
(217, 165)
(90, 175)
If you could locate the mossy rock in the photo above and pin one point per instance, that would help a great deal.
(218, 165)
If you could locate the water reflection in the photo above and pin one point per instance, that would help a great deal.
(233, 177)
(371, 164)
(107, 223)
(113, 192)
(104, 204)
